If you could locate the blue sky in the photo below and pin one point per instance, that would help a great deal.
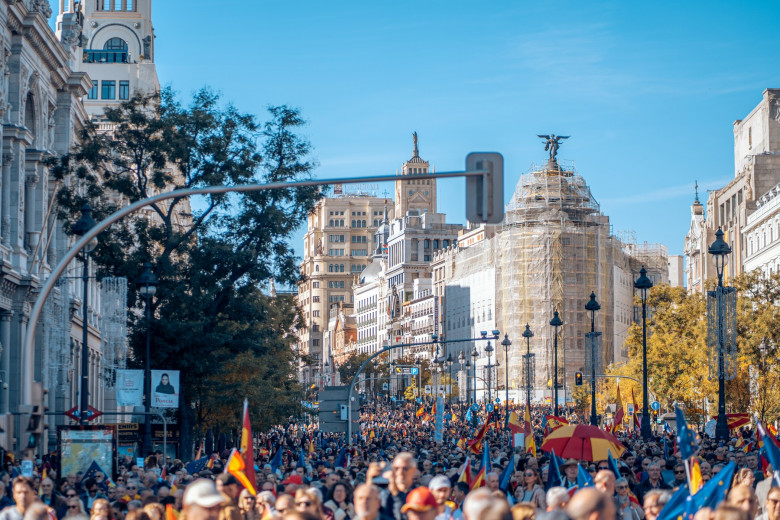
(648, 92)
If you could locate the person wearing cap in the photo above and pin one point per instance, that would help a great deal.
(229, 491)
(441, 488)
(201, 501)
(420, 505)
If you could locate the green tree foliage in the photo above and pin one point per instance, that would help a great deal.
(213, 254)
(350, 366)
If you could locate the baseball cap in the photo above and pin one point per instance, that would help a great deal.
(202, 493)
(419, 499)
(438, 482)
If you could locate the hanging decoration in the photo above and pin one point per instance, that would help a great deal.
(113, 327)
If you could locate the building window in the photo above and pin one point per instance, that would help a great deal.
(315, 314)
(108, 90)
(315, 285)
(115, 44)
(315, 299)
(124, 90)
(93, 92)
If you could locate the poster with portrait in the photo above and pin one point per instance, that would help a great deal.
(165, 388)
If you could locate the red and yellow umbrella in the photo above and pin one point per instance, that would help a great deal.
(582, 442)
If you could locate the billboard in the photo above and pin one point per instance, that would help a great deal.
(129, 387)
(80, 446)
(165, 388)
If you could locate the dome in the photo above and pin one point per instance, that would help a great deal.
(371, 273)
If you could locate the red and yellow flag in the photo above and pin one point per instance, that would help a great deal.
(696, 481)
(465, 473)
(237, 467)
(514, 424)
(618, 421)
(247, 448)
(530, 444)
(475, 444)
(420, 411)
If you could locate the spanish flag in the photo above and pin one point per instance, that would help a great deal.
(465, 474)
(420, 411)
(483, 471)
(696, 481)
(530, 444)
(236, 467)
(618, 422)
(475, 444)
(247, 448)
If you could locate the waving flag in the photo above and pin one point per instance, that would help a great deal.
(697, 482)
(530, 444)
(247, 448)
(554, 477)
(475, 444)
(468, 415)
(276, 461)
(637, 417)
(465, 474)
(483, 471)
(420, 411)
(686, 438)
(237, 468)
(506, 475)
(618, 421)
(771, 451)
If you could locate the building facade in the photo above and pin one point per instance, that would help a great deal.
(762, 234)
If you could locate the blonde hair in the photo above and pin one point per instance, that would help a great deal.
(155, 510)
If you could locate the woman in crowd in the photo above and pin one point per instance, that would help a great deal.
(340, 501)
(532, 490)
(308, 501)
(76, 510)
(101, 510)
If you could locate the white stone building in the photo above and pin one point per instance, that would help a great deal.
(762, 234)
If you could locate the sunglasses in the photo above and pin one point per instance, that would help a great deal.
(303, 504)
(621, 487)
(679, 471)
(70, 495)
(73, 507)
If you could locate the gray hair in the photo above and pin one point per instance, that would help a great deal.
(621, 480)
(266, 497)
(557, 496)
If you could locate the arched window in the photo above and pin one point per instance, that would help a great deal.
(115, 44)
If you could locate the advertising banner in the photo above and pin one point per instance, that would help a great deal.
(165, 388)
(129, 387)
(81, 446)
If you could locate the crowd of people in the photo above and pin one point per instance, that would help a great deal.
(395, 470)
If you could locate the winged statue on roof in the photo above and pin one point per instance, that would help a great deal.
(552, 143)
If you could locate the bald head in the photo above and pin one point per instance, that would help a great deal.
(590, 504)
(605, 482)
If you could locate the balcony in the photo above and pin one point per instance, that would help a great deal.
(103, 56)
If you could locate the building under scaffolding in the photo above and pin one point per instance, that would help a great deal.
(554, 248)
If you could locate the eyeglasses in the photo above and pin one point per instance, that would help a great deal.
(303, 504)
(679, 471)
(621, 487)
(603, 467)
(73, 507)
(70, 495)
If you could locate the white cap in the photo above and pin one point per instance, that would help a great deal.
(438, 482)
(203, 492)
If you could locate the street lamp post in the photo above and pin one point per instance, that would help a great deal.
(474, 356)
(720, 252)
(592, 307)
(461, 366)
(449, 371)
(506, 344)
(147, 288)
(644, 284)
(80, 228)
(419, 377)
(488, 352)
(555, 322)
(527, 334)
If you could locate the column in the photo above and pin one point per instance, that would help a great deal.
(5, 357)
(32, 232)
(5, 223)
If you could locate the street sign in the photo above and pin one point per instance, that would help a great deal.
(490, 407)
(475, 407)
(498, 400)
(630, 408)
(655, 405)
(407, 370)
(385, 386)
(92, 413)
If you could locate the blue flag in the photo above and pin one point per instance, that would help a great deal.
(613, 464)
(686, 438)
(676, 504)
(771, 451)
(301, 460)
(666, 449)
(341, 460)
(506, 475)
(276, 461)
(196, 466)
(485, 459)
(93, 471)
(554, 477)
(583, 478)
(468, 415)
(714, 492)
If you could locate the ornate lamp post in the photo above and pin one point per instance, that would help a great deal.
(721, 330)
(82, 226)
(449, 370)
(474, 356)
(592, 307)
(461, 366)
(555, 322)
(644, 284)
(147, 288)
(506, 344)
(527, 334)
(419, 377)
(489, 352)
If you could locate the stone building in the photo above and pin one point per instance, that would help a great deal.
(762, 234)
(756, 173)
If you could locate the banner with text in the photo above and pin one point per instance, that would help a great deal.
(129, 387)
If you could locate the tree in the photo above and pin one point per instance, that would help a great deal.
(350, 366)
(215, 254)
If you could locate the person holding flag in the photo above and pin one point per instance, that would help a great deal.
(618, 421)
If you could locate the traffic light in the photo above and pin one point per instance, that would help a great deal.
(36, 422)
(485, 193)
(578, 378)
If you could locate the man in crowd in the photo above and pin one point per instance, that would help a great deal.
(653, 481)
(420, 505)
(591, 504)
(202, 501)
(229, 492)
(366, 500)
(24, 496)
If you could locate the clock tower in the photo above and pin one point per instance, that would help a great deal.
(412, 193)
